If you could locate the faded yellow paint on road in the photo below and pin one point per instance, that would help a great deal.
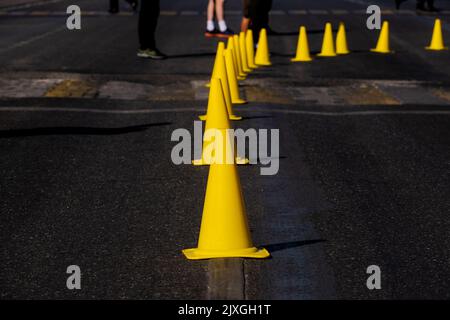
(72, 89)
(366, 95)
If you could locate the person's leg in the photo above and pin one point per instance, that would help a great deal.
(148, 21)
(245, 15)
(430, 5)
(220, 16)
(257, 17)
(210, 16)
(267, 6)
(420, 5)
(113, 6)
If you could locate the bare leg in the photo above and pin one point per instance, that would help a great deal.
(210, 11)
(244, 24)
(219, 10)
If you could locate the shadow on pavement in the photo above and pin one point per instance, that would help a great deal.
(292, 244)
(192, 55)
(16, 133)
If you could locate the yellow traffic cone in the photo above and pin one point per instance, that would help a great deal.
(216, 119)
(224, 231)
(237, 49)
(437, 41)
(250, 49)
(328, 49)
(262, 57)
(302, 54)
(233, 84)
(231, 47)
(243, 48)
(219, 53)
(383, 40)
(341, 40)
(221, 73)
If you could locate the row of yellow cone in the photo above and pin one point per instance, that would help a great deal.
(383, 45)
(224, 230)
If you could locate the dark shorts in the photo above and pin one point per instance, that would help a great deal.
(246, 8)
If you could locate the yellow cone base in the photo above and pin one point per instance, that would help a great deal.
(327, 55)
(199, 254)
(232, 117)
(301, 59)
(203, 162)
(208, 85)
(381, 51)
(436, 49)
(239, 101)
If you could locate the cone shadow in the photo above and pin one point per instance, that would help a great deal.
(192, 55)
(292, 244)
(256, 117)
(293, 33)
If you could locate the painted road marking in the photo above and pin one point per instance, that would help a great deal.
(226, 279)
(189, 13)
(297, 12)
(355, 93)
(168, 13)
(26, 88)
(72, 89)
(31, 5)
(277, 13)
(33, 39)
(318, 12)
(339, 12)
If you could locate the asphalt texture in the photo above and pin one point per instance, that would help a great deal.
(87, 178)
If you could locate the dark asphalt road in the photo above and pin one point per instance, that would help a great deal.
(87, 179)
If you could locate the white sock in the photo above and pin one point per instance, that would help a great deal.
(210, 25)
(222, 26)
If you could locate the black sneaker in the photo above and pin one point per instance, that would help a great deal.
(154, 54)
(225, 34)
(210, 34)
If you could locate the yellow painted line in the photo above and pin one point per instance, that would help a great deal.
(442, 93)
(366, 95)
(72, 89)
(255, 93)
